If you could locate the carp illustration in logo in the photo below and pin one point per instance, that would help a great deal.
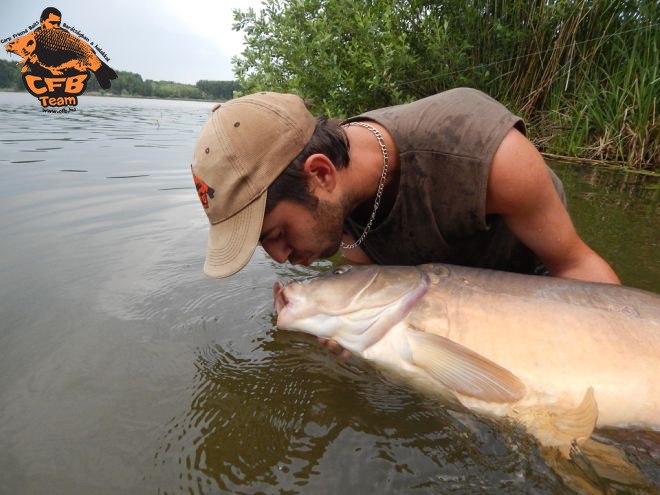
(204, 191)
(51, 50)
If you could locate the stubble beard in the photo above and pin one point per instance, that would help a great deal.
(330, 220)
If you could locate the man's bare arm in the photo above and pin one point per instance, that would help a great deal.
(521, 190)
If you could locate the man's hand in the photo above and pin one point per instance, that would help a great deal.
(335, 348)
(521, 191)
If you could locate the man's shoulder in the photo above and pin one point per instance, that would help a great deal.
(461, 101)
(450, 96)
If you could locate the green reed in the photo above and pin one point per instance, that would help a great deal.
(610, 110)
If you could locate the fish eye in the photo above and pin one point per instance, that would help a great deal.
(341, 269)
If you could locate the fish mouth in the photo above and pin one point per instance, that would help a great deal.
(279, 297)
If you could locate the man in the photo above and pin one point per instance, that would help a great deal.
(51, 18)
(449, 178)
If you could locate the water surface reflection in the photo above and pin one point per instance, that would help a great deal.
(292, 416)
(125, 370)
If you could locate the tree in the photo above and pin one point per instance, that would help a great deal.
(351, 55)
(587, 66)
(10, 75)
(220, 90)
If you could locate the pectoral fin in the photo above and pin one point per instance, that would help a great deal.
(463, 370)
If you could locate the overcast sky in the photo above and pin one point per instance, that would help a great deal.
(174, 40)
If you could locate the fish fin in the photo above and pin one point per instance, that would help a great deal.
(595, 468)
(463, 370)
(611, 463)
(577, 473)
(560, 427)
(104, 74)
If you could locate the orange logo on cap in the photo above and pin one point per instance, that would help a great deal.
(205, 192)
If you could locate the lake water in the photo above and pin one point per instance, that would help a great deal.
(123, 369)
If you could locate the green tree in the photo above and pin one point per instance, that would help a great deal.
(221, 90)
(548, 60)
(10, 75)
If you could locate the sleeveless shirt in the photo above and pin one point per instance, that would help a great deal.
(446, 145)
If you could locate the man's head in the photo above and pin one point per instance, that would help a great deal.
(305, 211)
(50, 18)
(245, 145)
(265, 171)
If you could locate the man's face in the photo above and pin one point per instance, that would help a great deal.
(52, 22)
(294, 232)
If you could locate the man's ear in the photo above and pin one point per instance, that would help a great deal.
(320, 172)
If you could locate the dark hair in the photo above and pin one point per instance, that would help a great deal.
(329, 139)
(50, 10)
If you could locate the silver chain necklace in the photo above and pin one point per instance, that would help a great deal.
(381, 184)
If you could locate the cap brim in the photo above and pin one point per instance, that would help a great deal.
(232, 242)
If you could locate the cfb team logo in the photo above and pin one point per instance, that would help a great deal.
(58, 61)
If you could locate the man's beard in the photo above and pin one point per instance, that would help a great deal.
(329, 219)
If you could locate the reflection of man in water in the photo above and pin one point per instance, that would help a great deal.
(51, 18)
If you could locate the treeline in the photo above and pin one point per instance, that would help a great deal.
(132, 84)
(583, 73)
(10, 75)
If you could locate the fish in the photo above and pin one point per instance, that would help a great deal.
(561, 357)
(57, 50)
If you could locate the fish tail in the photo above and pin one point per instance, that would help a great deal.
(104, 75)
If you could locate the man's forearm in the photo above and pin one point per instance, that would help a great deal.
(590, 267)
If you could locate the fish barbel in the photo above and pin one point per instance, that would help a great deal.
(560, 356)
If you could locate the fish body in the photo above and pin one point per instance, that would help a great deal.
(560, 356)
(57, 51)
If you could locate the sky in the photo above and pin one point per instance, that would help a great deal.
(173, 40)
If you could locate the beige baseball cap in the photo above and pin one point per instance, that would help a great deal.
(246, 143)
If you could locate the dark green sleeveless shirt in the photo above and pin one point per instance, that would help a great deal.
(446, 144)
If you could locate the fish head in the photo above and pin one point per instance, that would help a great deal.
(23, 46)
(347, 299)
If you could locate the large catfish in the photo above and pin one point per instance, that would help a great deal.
(560, 356)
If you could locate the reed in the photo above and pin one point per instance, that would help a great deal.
(607, 108)
(583, 73)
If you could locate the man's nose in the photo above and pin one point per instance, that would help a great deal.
(278, 250)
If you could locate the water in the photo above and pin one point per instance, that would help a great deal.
(124, 370)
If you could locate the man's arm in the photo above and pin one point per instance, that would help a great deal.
(521, 191)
